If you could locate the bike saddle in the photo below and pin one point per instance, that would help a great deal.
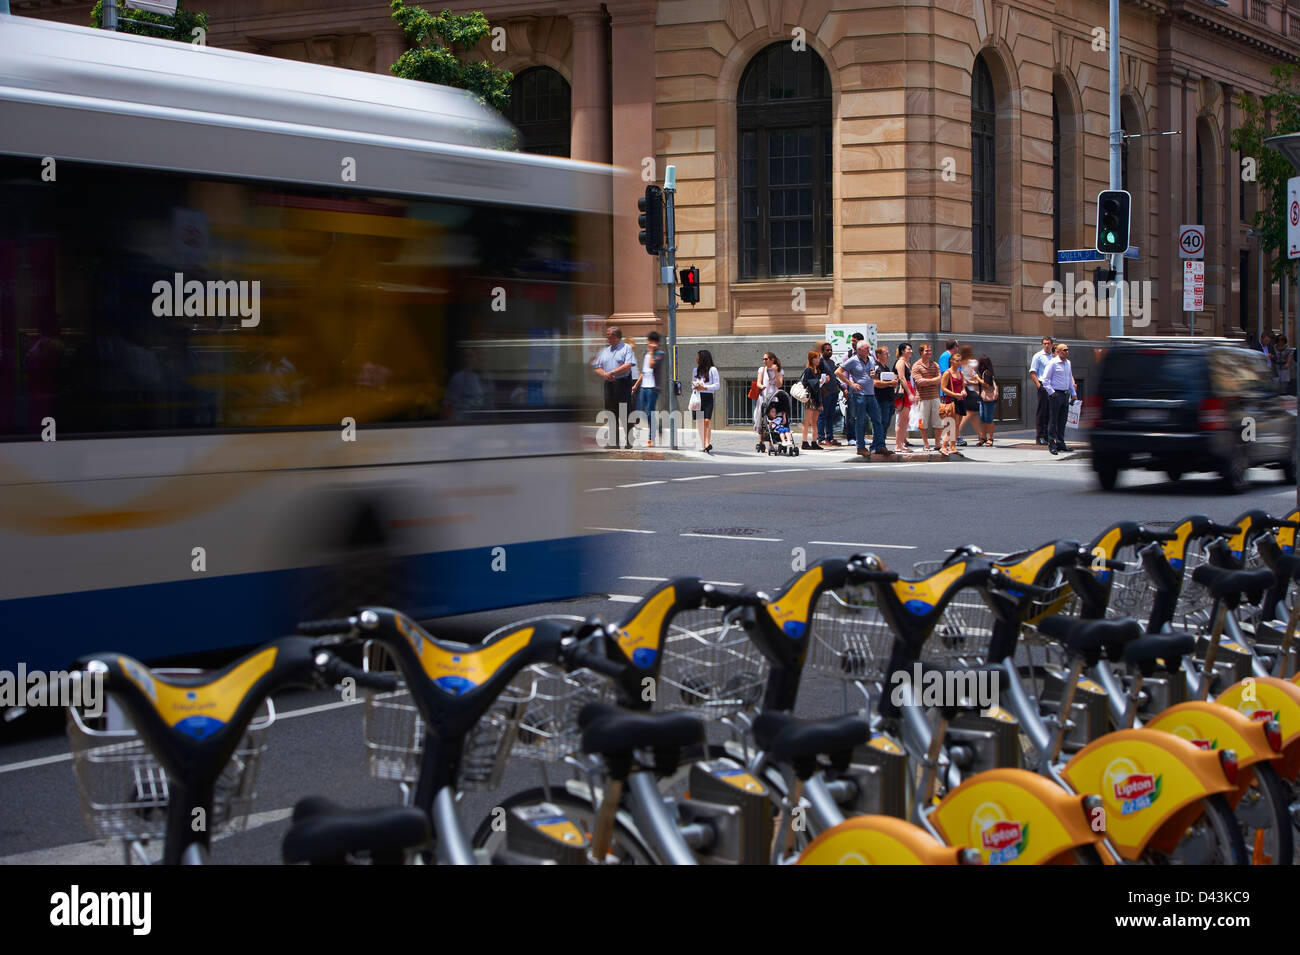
(324, 833)
(608, 730)
(1230, 585)
(1086, 638)
(788, 739)
(1146, 650)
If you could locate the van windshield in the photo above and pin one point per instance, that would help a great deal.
(1153, 373)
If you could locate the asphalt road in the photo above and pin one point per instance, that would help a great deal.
(726, 520)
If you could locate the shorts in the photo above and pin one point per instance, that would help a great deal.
(706, 406)
(959, 404)
(930, 413)
(987, 408)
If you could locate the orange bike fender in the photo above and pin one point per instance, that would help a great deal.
(1265, 698)
(1013, 817)
(1144, 777)
(877, 840)
(1210, 725)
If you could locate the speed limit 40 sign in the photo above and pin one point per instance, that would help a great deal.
(1191, 241)
(1293, 217)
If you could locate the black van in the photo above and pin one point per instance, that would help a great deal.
(1188, 405)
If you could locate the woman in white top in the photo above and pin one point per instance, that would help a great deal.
(646, 387)
(705, 381)
(770, 378)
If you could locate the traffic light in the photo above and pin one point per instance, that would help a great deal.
(691, 285)
(1112, 221)
(651, 220)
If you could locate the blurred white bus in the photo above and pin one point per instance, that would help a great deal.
(302, 338)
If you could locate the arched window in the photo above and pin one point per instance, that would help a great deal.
(1200, 178)
(783, 116)
(984, 164)
(539, 108)
(1056, 186)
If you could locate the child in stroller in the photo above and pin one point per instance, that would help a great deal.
(775, 434)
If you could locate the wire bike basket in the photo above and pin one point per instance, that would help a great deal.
(124, 791)
(534, 717)
(850, 639)
(710, 665)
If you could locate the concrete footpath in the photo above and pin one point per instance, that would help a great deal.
(1009, 447)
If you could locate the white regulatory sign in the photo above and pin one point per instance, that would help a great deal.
(1191, 241)
(1193, 286)
(1293, 218)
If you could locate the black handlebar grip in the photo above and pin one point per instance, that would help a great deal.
(1010, 583)
(1225, 529)
(1146, 535)
(324, 628)
(861, 575)
(580, 659)
(1281, 523)
(730, 599)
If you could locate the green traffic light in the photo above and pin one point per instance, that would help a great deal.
(1110, 236)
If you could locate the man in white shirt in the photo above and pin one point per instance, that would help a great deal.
(1058, 382)
(614, 366)
(1036, 369)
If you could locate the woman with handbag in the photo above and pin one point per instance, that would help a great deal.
(904, 396)
(810, 381)
(988, 385)
(952, 406)
(704, 385)
(769, 379)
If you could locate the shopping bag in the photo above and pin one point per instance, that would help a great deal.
(1076, 409)
(914, 418)
(694, 403)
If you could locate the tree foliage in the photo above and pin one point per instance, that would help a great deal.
(438, 45)
(1275, 114)
(179, 27)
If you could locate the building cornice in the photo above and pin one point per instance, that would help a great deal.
(1236, 28)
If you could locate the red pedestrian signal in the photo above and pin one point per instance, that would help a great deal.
(690, 285)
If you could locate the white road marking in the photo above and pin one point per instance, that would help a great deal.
(698, 477)
(643, 484)
(788, 470)
(736, 537)
(590, 489)
(653, 580)
(34, 763)
(624, 599)
(849, 544)
(620, 530)
(660, 580)
(740, 473)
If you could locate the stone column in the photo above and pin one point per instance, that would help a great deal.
(589, 135)
(389, 45)
(1168, 151)
(632, 115)
(1187, 203)
(1232, 237)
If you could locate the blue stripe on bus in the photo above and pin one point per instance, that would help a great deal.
(169, 619)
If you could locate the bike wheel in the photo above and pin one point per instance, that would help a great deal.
(625, 848)
(1264, 814)
(1213, 839)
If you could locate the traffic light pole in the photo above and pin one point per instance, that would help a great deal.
(668, 276)
(1116, 174)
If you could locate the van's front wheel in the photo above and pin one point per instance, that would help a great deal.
(1107, 473)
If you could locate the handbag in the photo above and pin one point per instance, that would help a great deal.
(799, 392)
(694, 403)
(948, 410)
(754, 390)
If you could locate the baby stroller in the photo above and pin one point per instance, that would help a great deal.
(774, 434)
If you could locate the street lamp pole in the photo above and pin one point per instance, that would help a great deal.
(1116, 169)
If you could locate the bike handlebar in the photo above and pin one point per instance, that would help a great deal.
(863, 575)
(1278, 523)
(1003, 581)
(731, 599)
(337, 671)
(1226, 530)
(325, 628)
(1148, 536)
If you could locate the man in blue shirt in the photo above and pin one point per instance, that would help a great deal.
(856, 373)
(614, 366)
(1058, 382)
(1036, 369)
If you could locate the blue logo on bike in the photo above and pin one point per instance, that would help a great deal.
(793, 628)
(644, 657)
(918, 607)
(198, 727)
(455, 685)
(1176, 563)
